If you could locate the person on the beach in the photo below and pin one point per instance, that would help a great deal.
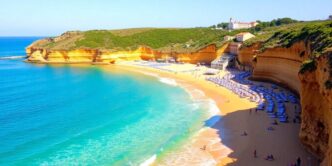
(244, 133)
(275, 122)
(255, 154)
(269, 157)
(204, 147)
(298, 161)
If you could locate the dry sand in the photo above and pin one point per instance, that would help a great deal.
(222, 143)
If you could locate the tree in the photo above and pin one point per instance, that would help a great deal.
(213, 26)
(275, 22)
(222, 25)
(286, 20)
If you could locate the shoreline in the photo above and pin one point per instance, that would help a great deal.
(230, 148)
(207, 137)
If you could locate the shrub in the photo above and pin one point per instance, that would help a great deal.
(309, 65)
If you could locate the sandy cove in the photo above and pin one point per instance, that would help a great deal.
(222, 143)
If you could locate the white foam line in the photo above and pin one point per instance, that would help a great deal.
(149, 161)
(149, 74)
(11, 57)
(165, 80)
(213, 108)
(168, 81)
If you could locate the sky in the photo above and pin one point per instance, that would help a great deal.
(53, 17)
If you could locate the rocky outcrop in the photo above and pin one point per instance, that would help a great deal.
(282, 65)
(43, 55)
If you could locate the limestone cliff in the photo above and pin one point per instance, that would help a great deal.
(44, 55)
(282, 65)
(246, 54)
(316, 100)
(278, 64)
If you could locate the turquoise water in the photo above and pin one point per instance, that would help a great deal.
(84, 115)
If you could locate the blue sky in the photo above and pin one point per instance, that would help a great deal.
(52, 17)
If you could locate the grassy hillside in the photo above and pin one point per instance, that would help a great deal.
(188, 39)
(318, 34)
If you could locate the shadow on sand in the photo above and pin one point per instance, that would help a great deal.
(282, 142)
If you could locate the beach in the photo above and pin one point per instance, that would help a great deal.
(222, 142)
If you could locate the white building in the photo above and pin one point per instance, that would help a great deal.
(241, 37)
(240, 25)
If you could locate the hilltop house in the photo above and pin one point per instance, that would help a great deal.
(240, 25)
(330, 17)
(241, 37)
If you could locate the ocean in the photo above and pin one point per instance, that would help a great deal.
(85, 115)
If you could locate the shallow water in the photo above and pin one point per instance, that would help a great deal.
(69, 115)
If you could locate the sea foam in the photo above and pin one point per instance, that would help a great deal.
(149, 161)
(11, 57)
(168, 81)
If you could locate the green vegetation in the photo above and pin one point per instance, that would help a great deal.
(309, 65)
(276, 22)
(318, 34)
(154, 38)
(186, 39)
(223, 25)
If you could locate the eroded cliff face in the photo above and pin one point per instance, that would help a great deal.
(41, 55)
(246, 54)
(316, 100)
(282, 65)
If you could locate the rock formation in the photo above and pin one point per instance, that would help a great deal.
(316, 100)
(282, 65)
(43, 55)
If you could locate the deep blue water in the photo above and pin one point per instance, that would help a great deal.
(84, 115)
(15, 46)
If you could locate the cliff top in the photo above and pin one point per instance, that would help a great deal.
(164, 39)
(318, 34)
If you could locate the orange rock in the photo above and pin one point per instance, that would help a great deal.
(40, 55)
